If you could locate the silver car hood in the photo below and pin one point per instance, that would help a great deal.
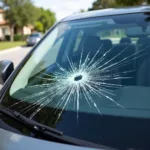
(13, 141)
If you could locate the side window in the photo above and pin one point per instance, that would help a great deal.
(78, 40)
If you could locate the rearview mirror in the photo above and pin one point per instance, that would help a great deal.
(6, 68)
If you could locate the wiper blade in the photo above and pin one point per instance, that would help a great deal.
(37, 126)
(49, 133)
(28, 122)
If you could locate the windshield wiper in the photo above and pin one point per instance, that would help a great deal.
(48, 132)
(37, 126)
(28, 122)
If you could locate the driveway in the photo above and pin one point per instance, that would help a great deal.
(15, 55)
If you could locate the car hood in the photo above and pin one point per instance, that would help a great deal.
(13, 141)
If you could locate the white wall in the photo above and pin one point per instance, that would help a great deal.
(4, 30)
(1, 17)
(1, 34)
(26, 30)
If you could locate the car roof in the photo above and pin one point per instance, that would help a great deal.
(107, 12)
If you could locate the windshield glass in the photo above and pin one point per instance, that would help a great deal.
(90, 79)
(35, 35)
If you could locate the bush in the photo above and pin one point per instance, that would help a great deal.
(25, 37)
(18, 37)
(7, 37)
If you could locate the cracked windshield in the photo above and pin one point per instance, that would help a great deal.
(88, 76)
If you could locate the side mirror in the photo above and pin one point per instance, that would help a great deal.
(6, 68)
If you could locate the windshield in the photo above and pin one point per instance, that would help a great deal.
(35, 35)
(90, 79)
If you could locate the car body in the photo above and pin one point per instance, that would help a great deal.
(12, 141)
(33, 39)
(85, 83)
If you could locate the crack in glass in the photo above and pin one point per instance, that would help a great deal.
(85, 78)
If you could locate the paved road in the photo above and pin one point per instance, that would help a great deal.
(15, 55)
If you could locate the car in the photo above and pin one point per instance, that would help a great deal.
(33, 39)
(84, 85)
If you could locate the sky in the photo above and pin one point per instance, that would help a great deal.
(64, 8)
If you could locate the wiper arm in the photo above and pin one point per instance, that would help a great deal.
(37, 126)
(28, 122)
(49, 133)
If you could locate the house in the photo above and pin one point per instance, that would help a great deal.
(5, 28)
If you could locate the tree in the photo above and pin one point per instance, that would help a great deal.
(101, 4)
(38, 26)
(46, 18)
(96, 5)
(19, 13)
(131, 2)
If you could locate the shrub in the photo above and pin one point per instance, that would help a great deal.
(18, 37)
(25, 37)
(7, 37)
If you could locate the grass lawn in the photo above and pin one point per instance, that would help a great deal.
(6, 45)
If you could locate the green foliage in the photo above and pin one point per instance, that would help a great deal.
(46, 18)
(22, 12)
(7, 37)
(130, 2)
(18, 37)
(6, 45)
(101, 4)
(96, 5)
(38, 26)
(19, 12)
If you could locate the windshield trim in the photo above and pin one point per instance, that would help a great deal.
(101, 14)
(94, 17)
